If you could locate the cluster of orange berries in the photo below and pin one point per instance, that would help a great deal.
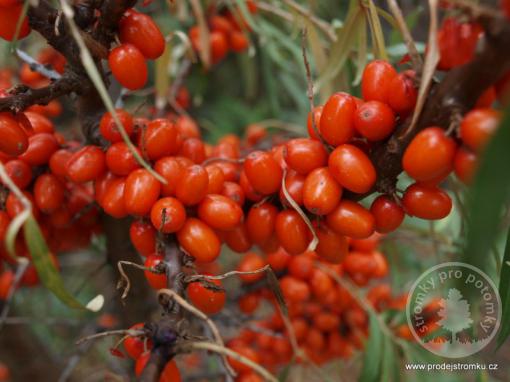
(227, 33)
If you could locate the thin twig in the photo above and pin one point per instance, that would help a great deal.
(124, 280)
(232, 354)
(414, 55)
(198, 313)
(20, 271)
(119, 332)
(321, 24)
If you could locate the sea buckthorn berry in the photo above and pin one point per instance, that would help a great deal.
(352, 168)
(337, 119)
(294, 290)
(248, 189)
(156, 280)
(478, 126)
(279, 259)
(128, 66)
(429, 203)
(170, 169)
(187, 127)
(194, 149)
(457, 42)
(304, 155)
(141, 31)
(317, 112)
(161, 138)
(388, 214)
(220, 24)
(332, 246)
(233, 191)
(351, 219)
(207, 300)
(13, 138)
(19, 172)
(112, 200)
(237, 239)
(192, 187)
(246, 352)
(321, 192)
(294, 183)
(465, 164)
(249, 303)
(403, 93)
(260, 222)
(9, 17)
(40, 148)
(58, 162)
(358, 263)
(170, 373)
(14, 206)
(48, 192)
(168, 215)
(429, 155)
(216, 179)
(120, 160)
(301, 266)
(366, 245)
(109, 129)
(39, 123)
(141, 192)
(263, 172)
(143, 237)
(220, 212)
(292, 232)
(374, 120)
(135, 345)
(199, 240)
(86, 164)
(249, 263)
(376, 80)
(238, 41)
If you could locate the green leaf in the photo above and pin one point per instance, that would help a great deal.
(504, 285)
(390, 363)
(377, 33)
(488, 195)
(341, 49)
(46, 270)
(373, 352)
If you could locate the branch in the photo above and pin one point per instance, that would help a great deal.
(456, 94)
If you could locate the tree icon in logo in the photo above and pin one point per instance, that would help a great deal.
(455, 313)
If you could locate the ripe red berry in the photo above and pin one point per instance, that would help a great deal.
(332, 247)
(58, 162)
(9, 17)
(220, 212)
(199, 240)
(263, 172)
(304, 155)
(161, 138)
(317, 113)
(216, 180)
(388, 214)
(294, 290)
(403, 93)
(374, 120)
(194, 149)
(128, 66)
(86, 164)
(207, 300)
(465, 164)
(337, 119)
(13, 138)
(109, 129)
(352, 168)
(424, 202)
(19, 172)
(112, 200)
(321, 192)
(192, 187)
(292, 232)
(478, 126)
(351, 219)
(135, 345)
(249, 263)
(238, 41)
(429, 155)
(141, 31)
(294, 183)
(155, 280)
(168, 215)
(48, 192)
(143, 237)
(120, 159)
(140, 192)
(457, 42)
(260, 222)
(40, 149)
(376, 80)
